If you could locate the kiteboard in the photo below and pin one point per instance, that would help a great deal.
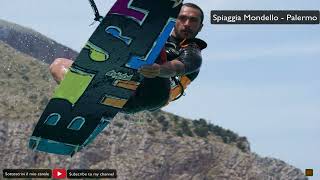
(104, 75)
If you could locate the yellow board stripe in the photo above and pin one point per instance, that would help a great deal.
(114, 101)
(132, 85)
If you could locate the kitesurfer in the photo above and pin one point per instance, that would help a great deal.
(178, 64)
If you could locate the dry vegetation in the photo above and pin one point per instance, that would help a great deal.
(25, 84)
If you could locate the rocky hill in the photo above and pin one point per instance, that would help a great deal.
(147, 145)
(33, 43)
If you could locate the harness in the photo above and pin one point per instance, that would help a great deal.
(178, 83)
(181, 84)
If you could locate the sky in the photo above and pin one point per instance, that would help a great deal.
(260, 81)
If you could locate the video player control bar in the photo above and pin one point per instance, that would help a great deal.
(59, 173)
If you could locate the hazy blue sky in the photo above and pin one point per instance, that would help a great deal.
(261, 81)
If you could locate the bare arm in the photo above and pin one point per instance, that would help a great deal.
(189, 61)
(166, 70)
(171, 68)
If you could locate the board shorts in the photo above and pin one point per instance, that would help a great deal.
(152, 94)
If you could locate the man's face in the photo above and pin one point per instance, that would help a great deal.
(188, 23)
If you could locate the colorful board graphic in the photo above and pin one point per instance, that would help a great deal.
(104, 75)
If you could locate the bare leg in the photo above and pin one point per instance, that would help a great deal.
(59, 67)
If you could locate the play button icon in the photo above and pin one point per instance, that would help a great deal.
(59, 173)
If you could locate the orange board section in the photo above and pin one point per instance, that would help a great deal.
(114, 101)
(132, 85)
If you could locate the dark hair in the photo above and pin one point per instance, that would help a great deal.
(196, 7)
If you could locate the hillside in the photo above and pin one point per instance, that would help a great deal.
(33, 43)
